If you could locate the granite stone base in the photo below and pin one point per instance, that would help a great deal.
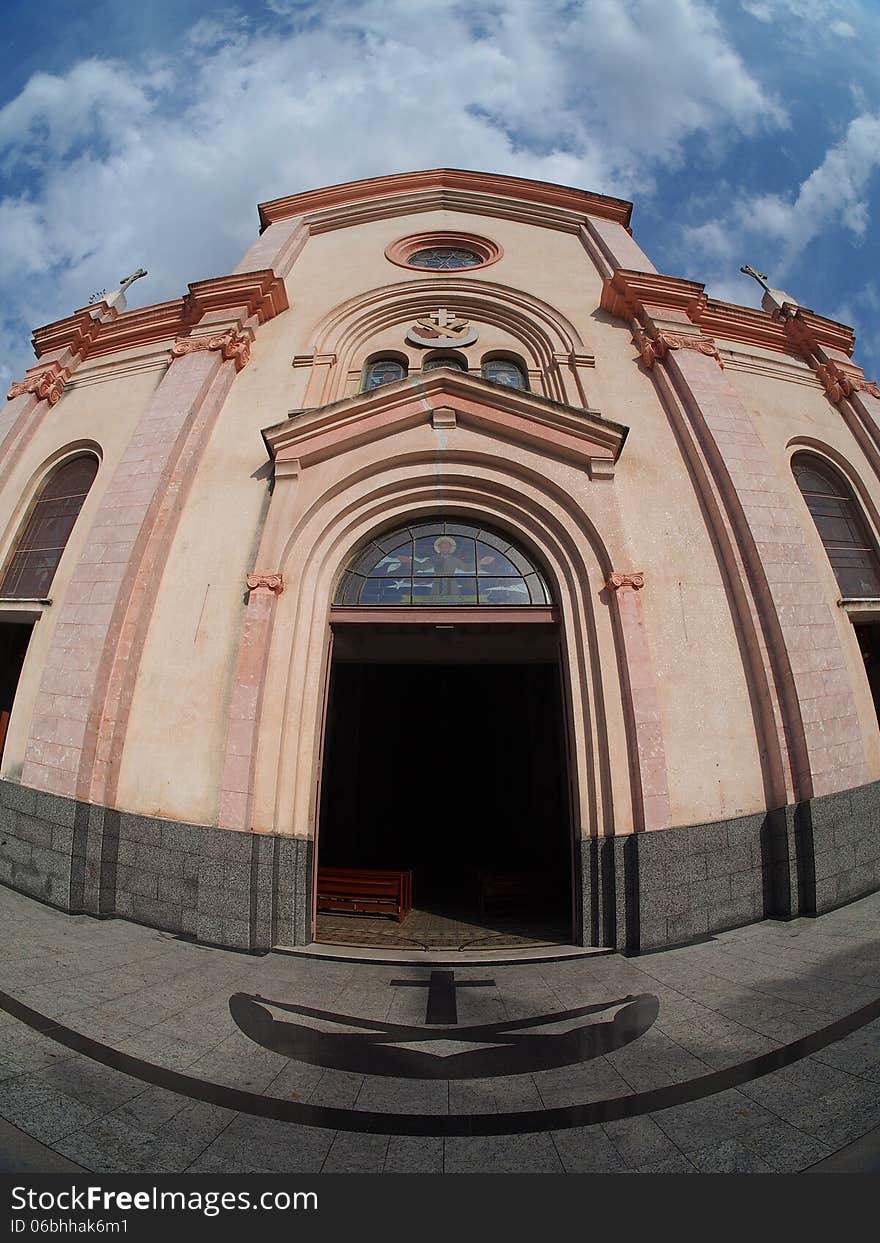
(648, 890)
(251, 891)
(244, 891)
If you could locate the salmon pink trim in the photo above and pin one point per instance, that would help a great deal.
(501, 188)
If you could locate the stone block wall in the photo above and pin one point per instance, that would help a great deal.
(250, 891)
(42, 845)
(648, 890)
(241, 890)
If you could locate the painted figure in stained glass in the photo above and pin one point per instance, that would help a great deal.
(442, 563)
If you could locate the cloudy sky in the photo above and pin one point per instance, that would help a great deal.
(143, 133)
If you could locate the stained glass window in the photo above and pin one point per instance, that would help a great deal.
(438, 563)
(841, 526)
(48, 529)
(504, 371)
(383, 371)
(444, 258)
(442, 360)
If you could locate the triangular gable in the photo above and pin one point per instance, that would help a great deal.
(449, 398)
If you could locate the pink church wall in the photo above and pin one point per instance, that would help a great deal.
(183, 520)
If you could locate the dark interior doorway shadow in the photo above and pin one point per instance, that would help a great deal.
(457, 773)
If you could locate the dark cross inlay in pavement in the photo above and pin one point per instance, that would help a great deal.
(442, 1007)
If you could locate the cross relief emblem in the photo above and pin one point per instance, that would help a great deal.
(441, 328)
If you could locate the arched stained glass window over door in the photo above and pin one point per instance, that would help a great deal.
(39, 548)
(383, 371)
(841, 525)
(438, 563)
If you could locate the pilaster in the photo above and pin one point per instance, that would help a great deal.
(237, 780)
(651, 799)
(75, 744)
(816, 717)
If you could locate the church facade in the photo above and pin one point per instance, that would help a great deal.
(446, 535)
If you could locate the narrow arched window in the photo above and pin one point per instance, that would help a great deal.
(505, 371)
(841, 525)
(383, 371)
(437, 563)
(43, 540)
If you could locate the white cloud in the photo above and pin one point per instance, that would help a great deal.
(161, 164)
(861, 310)
(782, 226)
(831, 15)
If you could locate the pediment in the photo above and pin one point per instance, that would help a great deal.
(448, 399)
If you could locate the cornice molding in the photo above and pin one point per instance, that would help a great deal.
(578, 435)
(810, 332)
(793, 330)
(745, 325)
(626, 294)
(445, 181)
(260, 294)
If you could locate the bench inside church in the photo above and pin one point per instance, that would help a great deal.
(360, 891)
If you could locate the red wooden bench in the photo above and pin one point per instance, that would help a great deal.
(504, 888)
(359, 891)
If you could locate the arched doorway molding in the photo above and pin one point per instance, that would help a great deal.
(548, 339)
(310, 542)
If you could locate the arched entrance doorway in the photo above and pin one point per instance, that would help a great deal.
(444, 812)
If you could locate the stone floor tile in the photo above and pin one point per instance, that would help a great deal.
(588, 1150)
(640, 1141)
(261, 1145)
(352, 1153)
(501, 1154)
(40, 1110)
(413, 1154)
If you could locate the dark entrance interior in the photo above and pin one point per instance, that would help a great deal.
(868, 635)
(14, 639)
(455, 770)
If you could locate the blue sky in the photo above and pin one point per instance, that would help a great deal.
(745, 131)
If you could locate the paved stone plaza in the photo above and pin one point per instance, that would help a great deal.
(128, 1049)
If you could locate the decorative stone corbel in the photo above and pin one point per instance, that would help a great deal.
(634, 581)
(661, 343)
(270, 582)
(231, 344)
(839, 384)
(48, 384)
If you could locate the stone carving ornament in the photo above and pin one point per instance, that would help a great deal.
(232, 345)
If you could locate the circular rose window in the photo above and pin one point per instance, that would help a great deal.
(443, 252)
(444, 257)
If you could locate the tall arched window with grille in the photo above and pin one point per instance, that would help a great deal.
(40, 545)
(842, 526)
